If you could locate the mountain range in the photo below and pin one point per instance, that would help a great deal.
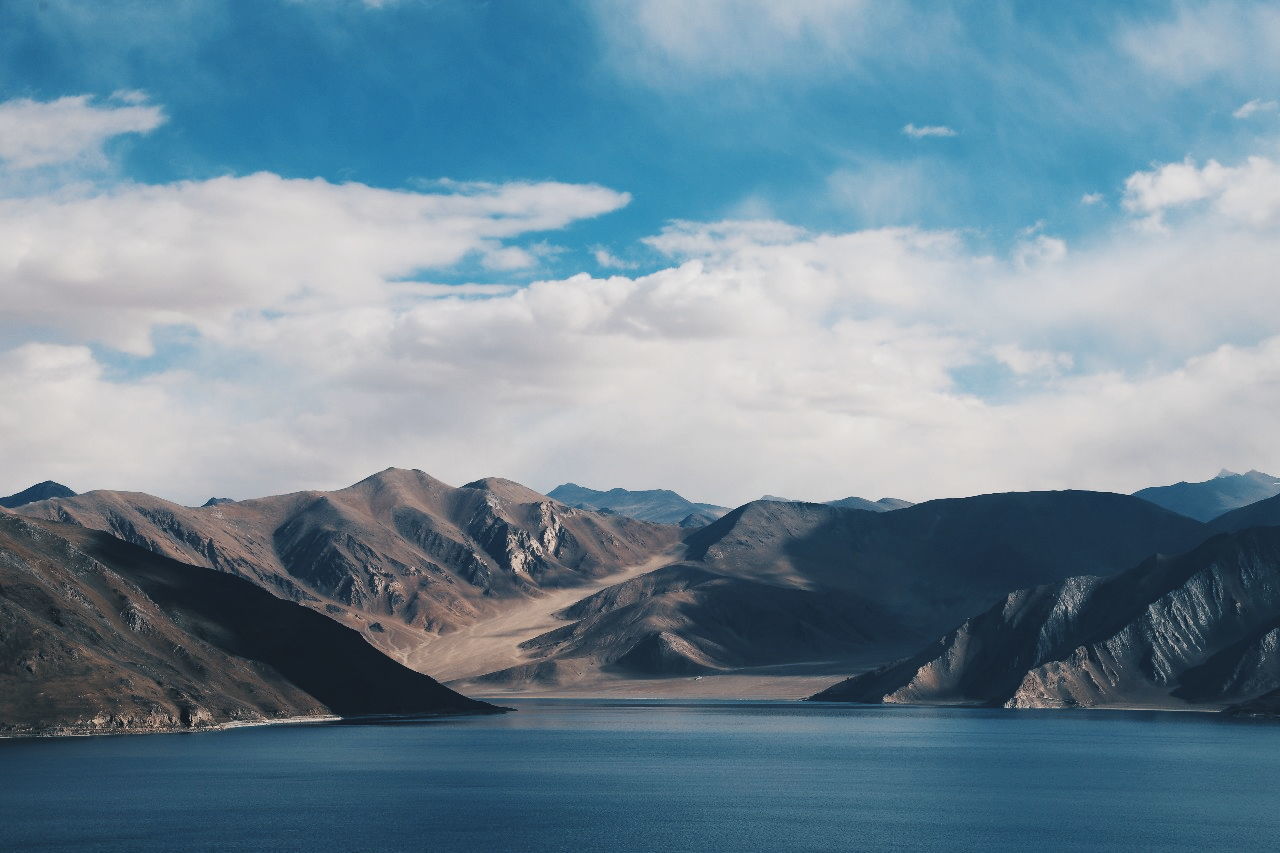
(1211, 498)
(493, 588)
(664, 506)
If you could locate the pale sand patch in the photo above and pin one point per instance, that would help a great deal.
(492, 643)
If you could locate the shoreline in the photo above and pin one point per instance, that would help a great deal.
(61, 732)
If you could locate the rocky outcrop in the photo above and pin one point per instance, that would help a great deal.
(1201, 629)
(97, 635)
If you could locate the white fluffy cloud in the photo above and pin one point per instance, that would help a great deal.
(764, 359)
(1248, 194)
(111, 267)
(43, 133)
(760, 357)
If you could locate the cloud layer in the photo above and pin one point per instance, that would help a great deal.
(761, 357)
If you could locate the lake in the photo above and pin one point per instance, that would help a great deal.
(614, 775)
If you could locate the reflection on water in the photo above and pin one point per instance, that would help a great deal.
(660, 775)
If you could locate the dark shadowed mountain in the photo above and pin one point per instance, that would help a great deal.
(661, 506)
(1201, 629)
(38, 492)
(216, 501)
(1210, 499)
(100, 635)
(784, 583)
(882, 505)
(400, 555)
(1264, 513)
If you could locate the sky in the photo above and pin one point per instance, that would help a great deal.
(810, 248)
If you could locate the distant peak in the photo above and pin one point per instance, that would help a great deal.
(1225, 472)
(39, 492)
(216, 502)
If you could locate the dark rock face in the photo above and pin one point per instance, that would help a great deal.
(1201, 629)
(1208, 500)
(399, 548)
(660, 506)
(216, 501)
(932, 564)
(39, 492)
(99, 635)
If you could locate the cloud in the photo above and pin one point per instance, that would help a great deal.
(663, 42)
(1232, 40)
(927, 130)
(1091, 198)
(111, 267)
(320, 343)
(608, 260)
(44, 133)
(1255, 106)
(1247, 194)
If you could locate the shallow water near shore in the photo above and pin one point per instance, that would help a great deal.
(660, 775)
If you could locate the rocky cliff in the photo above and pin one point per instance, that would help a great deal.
(1201, 629)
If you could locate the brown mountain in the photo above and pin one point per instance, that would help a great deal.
(1201, 629)
(400, 556)
(100, 635)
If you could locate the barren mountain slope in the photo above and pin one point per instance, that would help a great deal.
(100, 635)
(1201, 629)
(399, 555)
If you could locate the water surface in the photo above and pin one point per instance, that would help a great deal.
(610, 775)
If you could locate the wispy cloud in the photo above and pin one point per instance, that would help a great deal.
(608, 260)
(1091, 198)
(1257, 105)
(922, 131)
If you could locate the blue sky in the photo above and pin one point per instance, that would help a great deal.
(746, 247)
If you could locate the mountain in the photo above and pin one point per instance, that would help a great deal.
(661, 506)
(1264, 513)
(216, 501)
(882, 505)
(788, 584)
(1211, 498)
(38, 492)
(1201, 629)
(400, 556)
(100, 635)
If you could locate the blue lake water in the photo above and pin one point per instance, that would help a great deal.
(608, 775)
